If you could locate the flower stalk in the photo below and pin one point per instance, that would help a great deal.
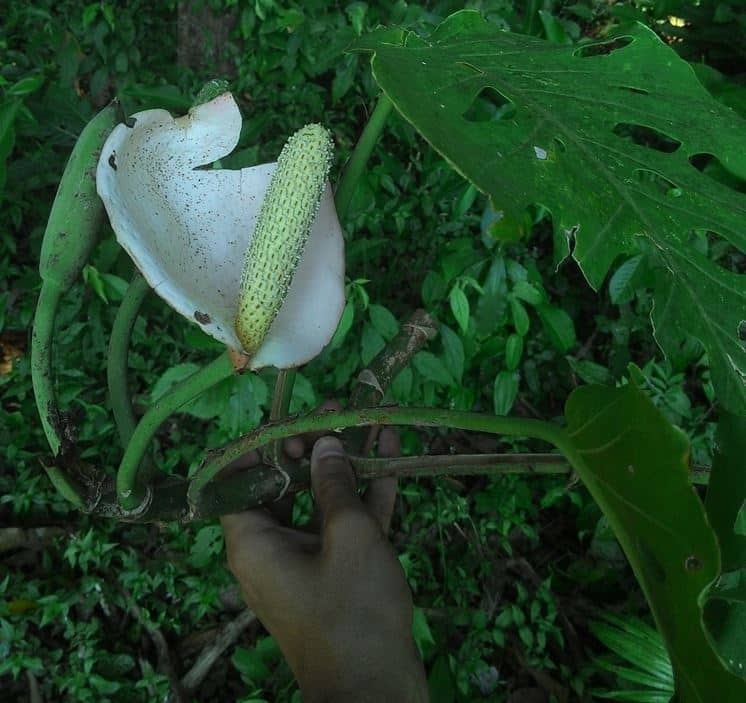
(360, 155)
(130, 488)
(116, 362)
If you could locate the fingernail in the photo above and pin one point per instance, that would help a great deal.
(327, 447)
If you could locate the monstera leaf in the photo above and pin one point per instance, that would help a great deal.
(635, 464)
(617, 139)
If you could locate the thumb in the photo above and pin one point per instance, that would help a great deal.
(332, 479)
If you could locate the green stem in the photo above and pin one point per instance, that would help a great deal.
(41, 364)
(283, 394)
(432, 466)
(130, 491)
(426, 417)
(360, 155)
(119, 345)
(531, 16)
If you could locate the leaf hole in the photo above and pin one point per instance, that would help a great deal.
(742, 331)
(490, 105)
(647, 136)
(718, 249)
(710, 166)
(693, 563)
(602, 48)
(560, 145)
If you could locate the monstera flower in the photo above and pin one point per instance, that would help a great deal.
(259, 268)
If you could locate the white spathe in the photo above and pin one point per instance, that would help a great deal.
(187, 228)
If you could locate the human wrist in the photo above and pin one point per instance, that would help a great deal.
(368, 678)
(411, 689)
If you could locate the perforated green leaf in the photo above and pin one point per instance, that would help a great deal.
(611, 137)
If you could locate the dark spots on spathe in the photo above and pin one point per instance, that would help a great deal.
(202, 317)
(113, 160)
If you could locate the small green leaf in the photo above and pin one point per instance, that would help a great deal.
(384, 322)
(432, 368)
(558, 326)
(370, 344)
(93, 278)
(465, 201)
(208, 542)
(520, 316)
(459, 307)
(421, 633)
(553, 30)
(505, 391)
(356, 12)
(513, 351)
(453, 349)
(401, 386)
(626, 279)
(26, 85)
(433, 289)
(525, 291)
(589, 371)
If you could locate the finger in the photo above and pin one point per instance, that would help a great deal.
(380, 497)
(247, 526)
(255, 540)
(332, 479)
(389, 443)
(370, 440)
(294, 447)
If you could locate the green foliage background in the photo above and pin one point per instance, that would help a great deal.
(505, 572)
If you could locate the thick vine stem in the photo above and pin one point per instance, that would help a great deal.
(116, 363)
(360, 155)
(423, 417)
(130, 488)
(262, 484)
(373, 381)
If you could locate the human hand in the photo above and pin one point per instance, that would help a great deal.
(336, 602)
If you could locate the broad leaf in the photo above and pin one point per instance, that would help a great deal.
(613, 138)
(727, 490)
(725, 610)
(635, 464)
